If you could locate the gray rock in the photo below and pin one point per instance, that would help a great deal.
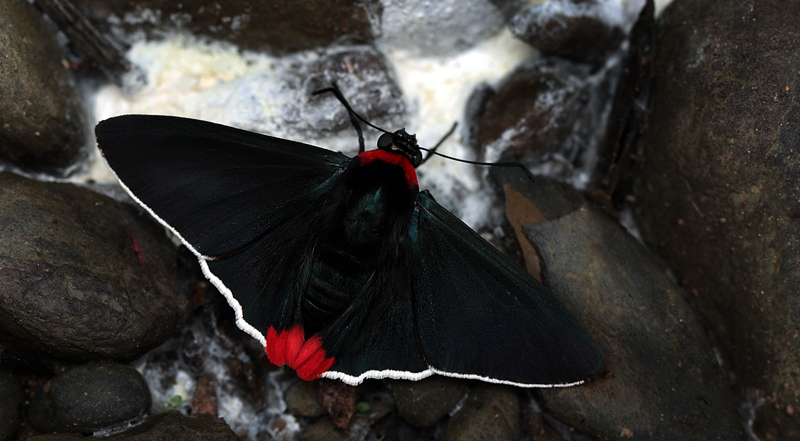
(490, 413)
(83, 276)
(278, 26)
(170, 426)
(720, 196)
(43, 123)
(661, 378)
(324, 430)
(422, 403)
(365, 78)
(301, 399)
(574, 29)
(547, 110)
(89, 398)
(10, 403)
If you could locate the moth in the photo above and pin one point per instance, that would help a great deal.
(340, 266)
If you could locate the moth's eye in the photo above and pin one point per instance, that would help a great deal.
(417, 159)
(385, 141)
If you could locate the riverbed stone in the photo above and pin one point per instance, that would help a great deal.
(171, 426)
(277, 26)
(89, 398)
(10, 403)
(83, 276)
(424, 402)
(491, 413)
(661, 379)
(43, 125)
(720, 199)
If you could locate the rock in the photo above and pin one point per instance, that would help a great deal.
(89, 398)
(365, 78)
(301, 399)
(170, 426)
(83, 276)
(278, 26)
(323, 430)
(547, 111)
(339, 401)
(490, 413)
(581, 30)
(661, 379)
(426, 28)
(43, 126)
(422, 403)
(10, 404)
(719, 194)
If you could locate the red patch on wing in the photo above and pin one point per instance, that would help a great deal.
(290, 347)
(392, 158)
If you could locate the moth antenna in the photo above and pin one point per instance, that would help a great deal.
(432, 150)
(517, 164)
(354, 117)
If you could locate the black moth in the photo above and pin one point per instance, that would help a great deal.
(340, 266)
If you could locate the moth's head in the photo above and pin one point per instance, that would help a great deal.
(403, 143)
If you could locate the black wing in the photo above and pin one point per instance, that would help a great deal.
(240, 200)
(480, 316)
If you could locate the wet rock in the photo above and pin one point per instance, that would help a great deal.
(661, 379)
(204, 400)
(429, 28)
(301, 399)
(170, 426)
(339, 401)
(365, 78)
(82, 276)
(720, 196)
(323, 430)
(422, 403)
(10, 403)
(546, 113)
(43, 126)
(540, 430)
(89, 398)
(489, 413)
(278, 26)
(581, 30)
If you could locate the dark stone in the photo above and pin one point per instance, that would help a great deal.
(545, 111)
(424, 402)
(43, 125)
(661, 380)
(339, 401)
(490, 413)
(83, 276)
(323, 430)
(10, 403)
(365, 78)
(89, 398)
(170, 426)
(301, 399)
(278, 26)
(573, 29)
(720, 195)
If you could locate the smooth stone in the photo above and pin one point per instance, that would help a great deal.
(43, 125)
(424, 402)
(720, 199)
(490, 413)
(172, 426)
(373, 92)
(661, 379)
(301, 399)
(89, 398)
(11, 399)
(573, 29)
(323, 430)
(82, 276)
(548, 110)
(277, 26)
